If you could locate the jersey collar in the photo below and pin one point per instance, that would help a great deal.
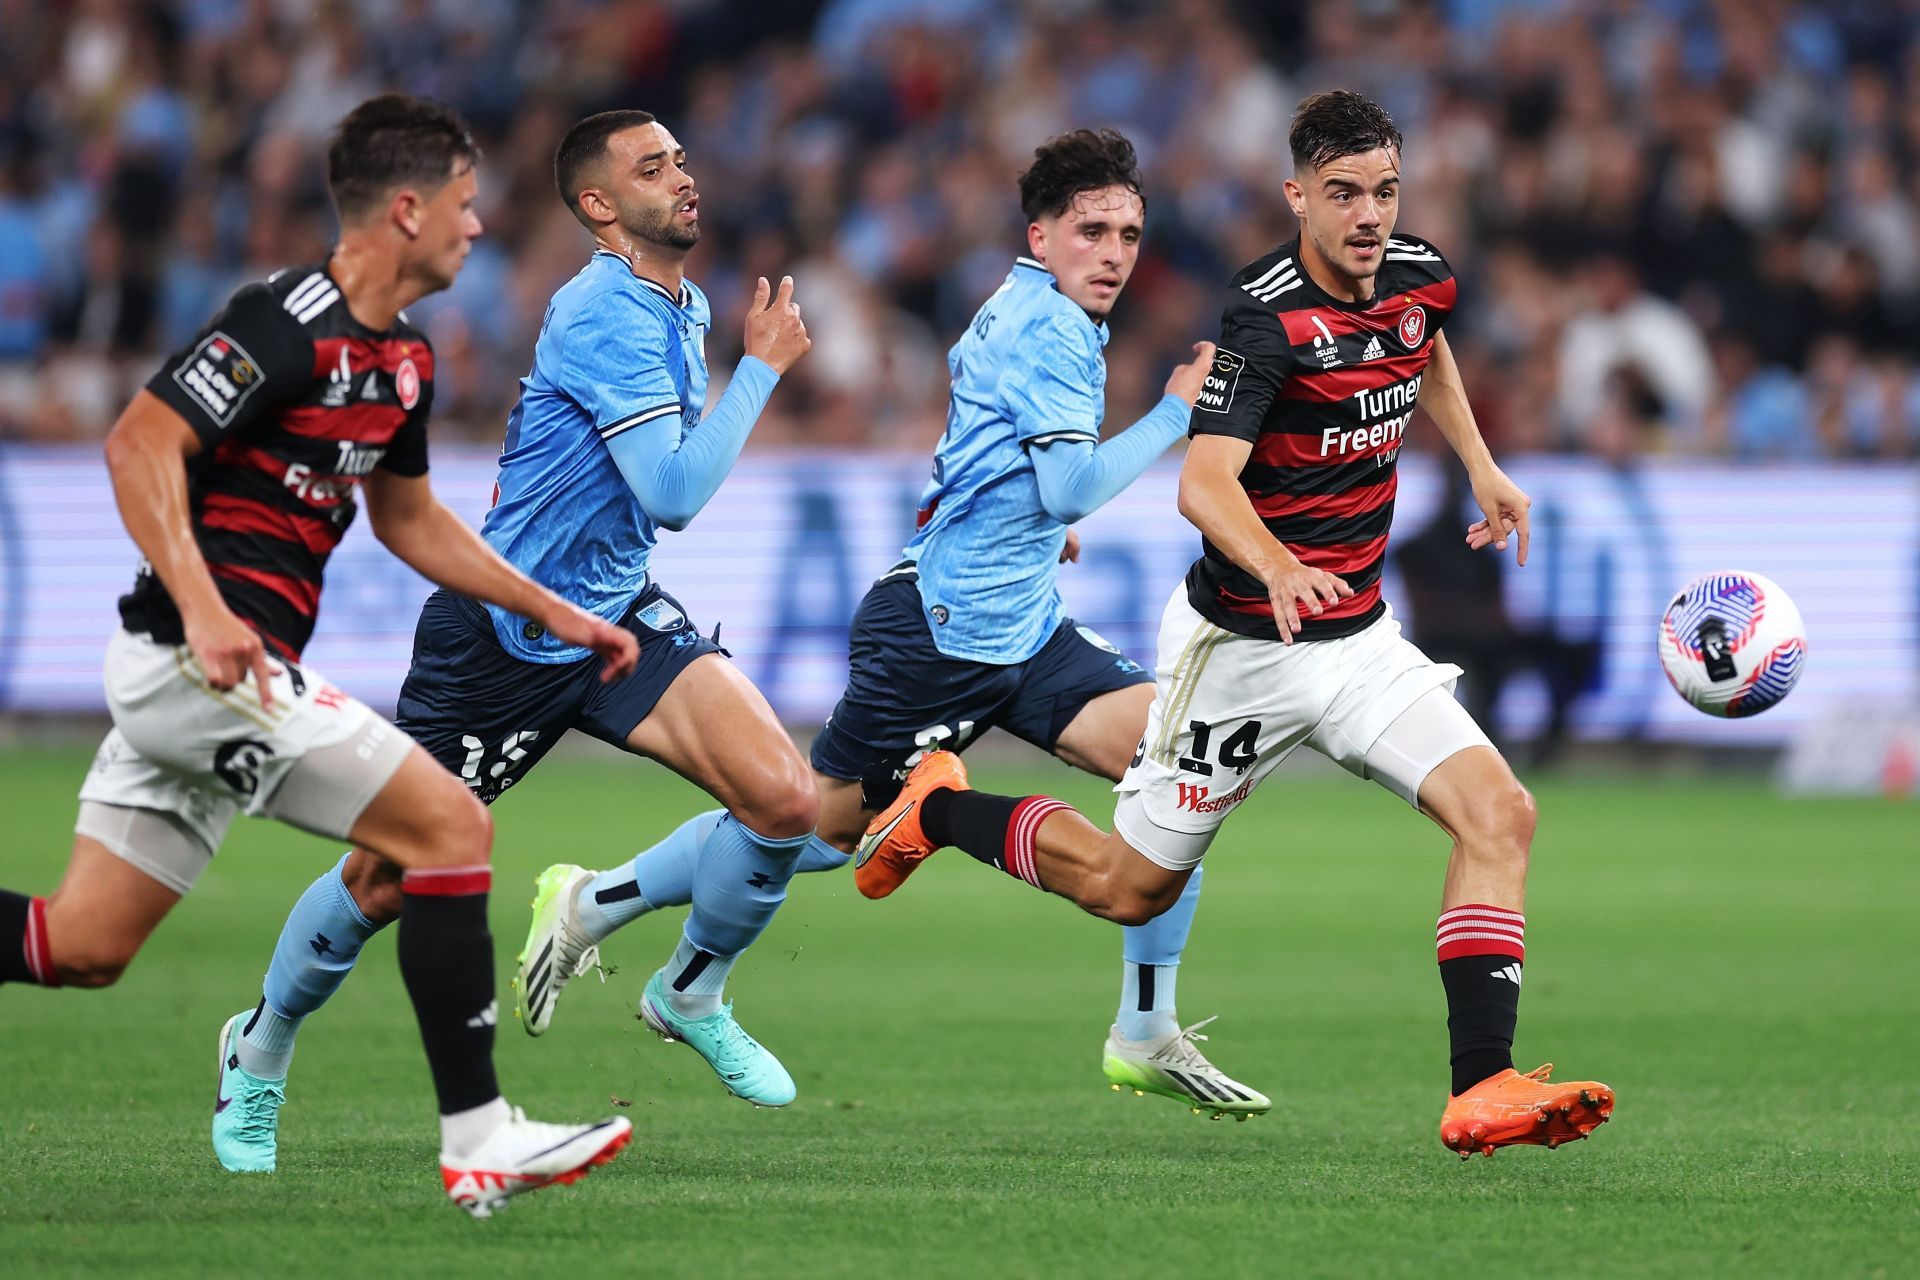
(1327, 299)
(1033, 264)
(686, 295)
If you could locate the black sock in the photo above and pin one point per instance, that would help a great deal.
(446, 960)
(975, 822)
(24, 956)
(1483, 1004)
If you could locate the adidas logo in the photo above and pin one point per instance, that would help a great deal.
(1374, 350)
(490, 1016)
(1511, 973)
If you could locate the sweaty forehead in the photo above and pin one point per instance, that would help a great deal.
(1105, 204)
(1366, 169)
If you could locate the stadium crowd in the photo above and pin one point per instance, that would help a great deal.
(1686, 227)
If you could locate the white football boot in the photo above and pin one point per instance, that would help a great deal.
(1174, 1067)
(557, 949)
(523, 1155)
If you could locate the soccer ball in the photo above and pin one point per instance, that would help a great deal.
(1732, 644)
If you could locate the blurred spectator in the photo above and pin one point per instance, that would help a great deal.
(1623, 329)
(1623, 186)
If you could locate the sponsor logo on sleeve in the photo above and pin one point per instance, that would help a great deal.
(1216, 393)
(218, 376)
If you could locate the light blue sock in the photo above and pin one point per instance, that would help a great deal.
(318, 947)
(661, 876)
(739, 882)
(821, 856)
(1152, 954)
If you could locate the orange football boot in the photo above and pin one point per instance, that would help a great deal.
(1511, 1109)
(894, 844)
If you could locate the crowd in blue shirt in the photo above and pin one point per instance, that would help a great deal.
(1744, 178)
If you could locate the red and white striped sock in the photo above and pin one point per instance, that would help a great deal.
(1022, 832)
(1480, 930)
(1482, 949)
(39, 952)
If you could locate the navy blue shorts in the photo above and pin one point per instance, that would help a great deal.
(489, 717)
(905, 696)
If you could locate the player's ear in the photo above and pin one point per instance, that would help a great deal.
(406, 210)
(1037, 241)
(1296, 198)
(594, 203)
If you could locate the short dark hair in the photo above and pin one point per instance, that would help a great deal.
(1339, 123)
(1084, 160)
(390, 142)
(584, 145)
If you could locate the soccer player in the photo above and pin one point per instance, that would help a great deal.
(1279, 636)
(607, 445)
(235, 471)
(968, 632)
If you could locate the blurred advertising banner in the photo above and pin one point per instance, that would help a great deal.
(783, 554)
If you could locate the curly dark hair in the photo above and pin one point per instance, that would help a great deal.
(1339, 123)
(1084, 160)
(394, 141)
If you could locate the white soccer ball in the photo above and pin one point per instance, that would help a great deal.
(1733, 644)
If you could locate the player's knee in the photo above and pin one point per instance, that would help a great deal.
(788, 805)
(1501, 822)
(462, 834)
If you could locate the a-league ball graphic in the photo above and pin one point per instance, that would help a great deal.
(1732, 644)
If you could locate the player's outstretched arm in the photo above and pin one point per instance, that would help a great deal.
(674, 473)
(1503, 504)
(147, 454)
(1077, 478)
(1212, 499)
(439, 545)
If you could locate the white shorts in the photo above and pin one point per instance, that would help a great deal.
(314, 759)
(1229, 708)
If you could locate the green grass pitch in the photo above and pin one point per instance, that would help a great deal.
(1744, 970)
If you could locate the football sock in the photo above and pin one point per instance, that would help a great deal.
(821, 856)
(661, 876)
(462, 1132)
(1152, 954)
(24, 953)
(996, 830)
(1482, 949)
(318, 947)
(1146, 1002)
(738, 884)
(265, 1050)
(696, 979)
(446, 961)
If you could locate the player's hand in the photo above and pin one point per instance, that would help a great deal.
(1299, 591)
(228, 650)
(1070, 553)
(615, 645)
(1189, 378)
(1503, 504)
(774, 331)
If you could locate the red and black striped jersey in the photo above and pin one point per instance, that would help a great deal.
(295, 402)
(1323, 390)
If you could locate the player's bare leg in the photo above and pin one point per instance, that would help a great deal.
(1475, 798)
(101, 915)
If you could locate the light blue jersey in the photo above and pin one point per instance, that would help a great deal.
(1029, 371)
(617, 354)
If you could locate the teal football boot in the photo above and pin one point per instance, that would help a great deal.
(246, 1109)
(742, 1063)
